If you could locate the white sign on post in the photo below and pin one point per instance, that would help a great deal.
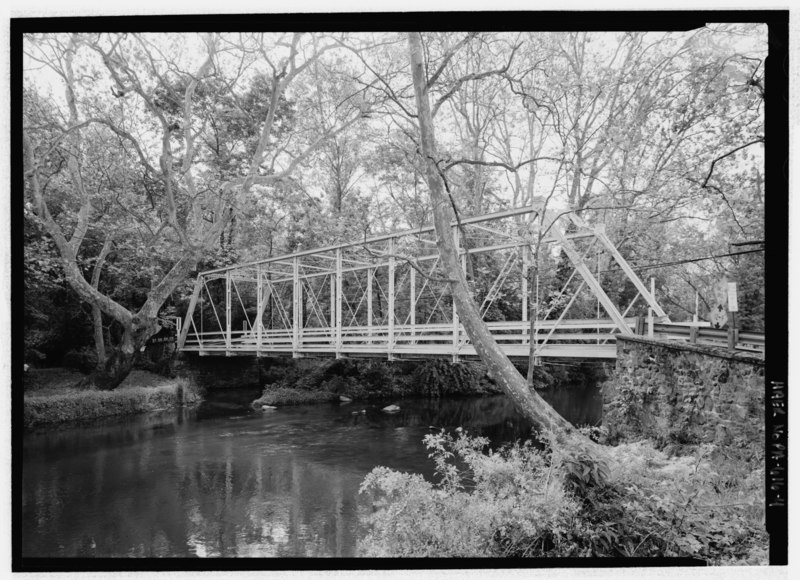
(733, 302)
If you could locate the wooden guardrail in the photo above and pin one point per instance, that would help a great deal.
(702, 335)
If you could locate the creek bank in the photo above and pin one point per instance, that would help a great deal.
(297, 382)
(51, 396)
(303, 381)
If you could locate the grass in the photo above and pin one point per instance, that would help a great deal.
(51, 396)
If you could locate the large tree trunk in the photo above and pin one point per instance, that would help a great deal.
(120, 360)
(532, 406)
(99, 339)
(97, 314)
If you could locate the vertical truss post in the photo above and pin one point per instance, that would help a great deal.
(198, 285)
(227, 313)
(390, 336)
(295, 307)
(412, 299)
(457, 240)
(259, 308)
(369, 303)
(650, 310)
(526, 252)
(333, 308)
(339, 303)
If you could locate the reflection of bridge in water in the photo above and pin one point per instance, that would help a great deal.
(387, 297)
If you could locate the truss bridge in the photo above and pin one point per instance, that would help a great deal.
(387, 296)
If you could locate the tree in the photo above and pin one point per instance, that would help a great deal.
(500, 368)
(190, 156)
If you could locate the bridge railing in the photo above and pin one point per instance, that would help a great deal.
(405, 340)
(704, 335)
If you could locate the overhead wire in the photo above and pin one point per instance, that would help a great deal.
(687, 261)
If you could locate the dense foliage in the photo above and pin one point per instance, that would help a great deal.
(566, 500)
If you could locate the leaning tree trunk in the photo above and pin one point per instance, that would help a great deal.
(532, 406)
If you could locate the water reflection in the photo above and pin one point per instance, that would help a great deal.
(222, 480)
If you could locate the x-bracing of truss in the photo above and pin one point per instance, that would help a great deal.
(367, 297)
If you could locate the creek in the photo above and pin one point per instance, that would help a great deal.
(224, 480)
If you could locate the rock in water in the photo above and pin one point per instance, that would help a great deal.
(345, 399)
(391, 409)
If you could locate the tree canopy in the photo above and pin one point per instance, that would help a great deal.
(150, 156)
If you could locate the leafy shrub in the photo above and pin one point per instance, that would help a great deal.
(437, 378)
(472, 510)
(284, 396)
(568, 500)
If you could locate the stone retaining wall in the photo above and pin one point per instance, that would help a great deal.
(678, 393)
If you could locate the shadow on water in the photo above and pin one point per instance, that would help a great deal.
(224, 480)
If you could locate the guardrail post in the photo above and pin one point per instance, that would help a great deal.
(227, 313)
(390, 337)
(733, 332)
(339, 303)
